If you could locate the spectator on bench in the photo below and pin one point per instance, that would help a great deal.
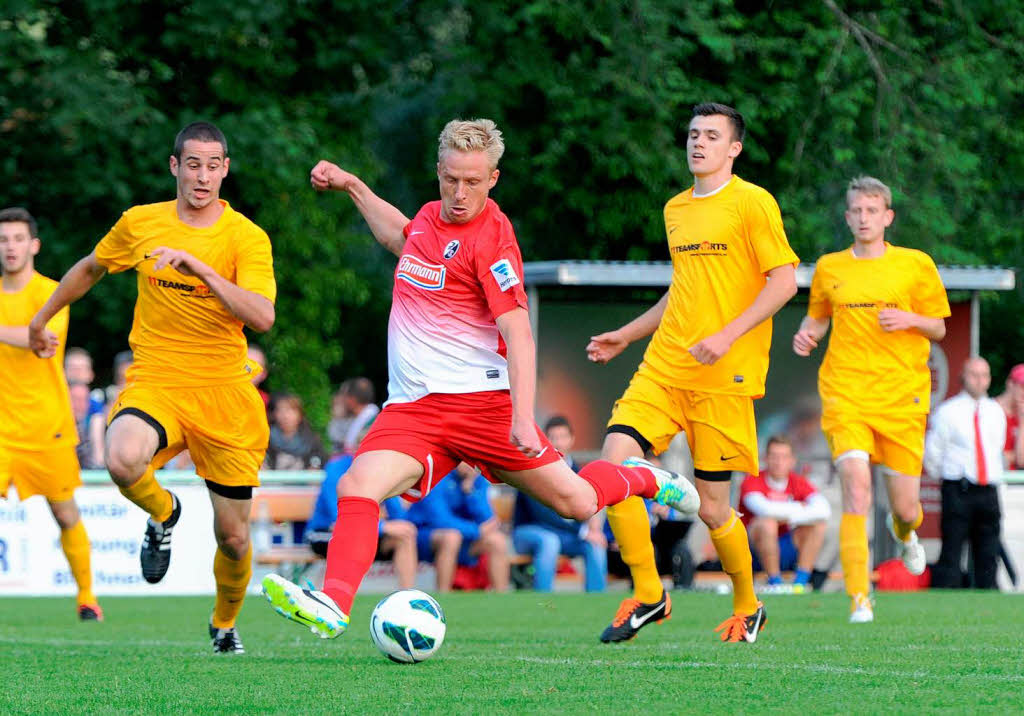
(293, 444)
(88, 405)
(785, 516)
(353, 410)
(543, 534)
(457, 526)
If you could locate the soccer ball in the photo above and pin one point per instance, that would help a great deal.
(407, 626)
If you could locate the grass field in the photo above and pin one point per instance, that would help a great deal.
(522, 653)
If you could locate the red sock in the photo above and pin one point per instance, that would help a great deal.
(614, 483)
(351, 550)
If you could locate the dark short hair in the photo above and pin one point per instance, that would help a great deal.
(16, 213)
(201, 131)
(359, 388)
(556, 421)
(708, 109)
(778, 440)
(123, 357)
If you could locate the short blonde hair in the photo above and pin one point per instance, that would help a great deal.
(476, 135)
(869, 186)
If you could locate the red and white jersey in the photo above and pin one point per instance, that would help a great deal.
(451, 283)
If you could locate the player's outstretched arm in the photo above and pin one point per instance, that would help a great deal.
(76, 283)
(249, 307)
(780, 287)
(605, 346)
(810, 333)
(385, 221)
(515, 328)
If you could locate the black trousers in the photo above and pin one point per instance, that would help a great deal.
(970, 513)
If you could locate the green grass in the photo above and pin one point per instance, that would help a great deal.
(522, 653)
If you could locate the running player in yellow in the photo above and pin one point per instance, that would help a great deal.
(204, 271)
(732, 269)
(886, 304)
(37, 428)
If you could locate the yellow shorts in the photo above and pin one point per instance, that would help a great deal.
(52, 473)
(224, 427)
(720, 429)
(895, 441)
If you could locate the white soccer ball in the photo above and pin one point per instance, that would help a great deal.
(408, 626)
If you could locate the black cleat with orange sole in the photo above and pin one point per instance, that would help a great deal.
(634, 615)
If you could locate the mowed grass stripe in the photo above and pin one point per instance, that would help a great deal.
(521, 652)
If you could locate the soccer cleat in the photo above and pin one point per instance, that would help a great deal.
(911, 551)
(90, 612)
(226, 641)
(633, 615)
(307, 607)
(155, 554)
(674, 490)
(861, 611)
(740, 627)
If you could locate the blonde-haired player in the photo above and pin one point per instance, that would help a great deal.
(37, 427)
(461, 375)
(886, 304)
(203, 271)
(732, 269)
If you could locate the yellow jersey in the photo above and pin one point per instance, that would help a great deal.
(865, 368)
(722, 245)
(35, 407)
(182, 335)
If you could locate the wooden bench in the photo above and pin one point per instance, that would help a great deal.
(282, 506)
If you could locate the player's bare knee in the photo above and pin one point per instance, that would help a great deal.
(906, 511)
(234, 543)
(126, 464)
(713, 514)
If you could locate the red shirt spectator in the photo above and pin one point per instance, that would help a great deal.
(795, 488)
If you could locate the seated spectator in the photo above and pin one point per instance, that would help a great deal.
(293, 444)
(543, 534)
(352, 411)
(785, 516)
(122, 362)
(88, 405)
(257, 356)
(457, 526)
(90, 451)
(396, 534)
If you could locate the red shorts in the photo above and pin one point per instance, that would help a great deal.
(441, 430)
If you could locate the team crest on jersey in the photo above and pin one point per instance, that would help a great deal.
(504, 274)
(451, 249)
(419, 273)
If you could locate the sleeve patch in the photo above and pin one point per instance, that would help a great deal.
(504, 274)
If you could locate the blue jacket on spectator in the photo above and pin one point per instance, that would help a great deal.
(449, 506)
(325, 511)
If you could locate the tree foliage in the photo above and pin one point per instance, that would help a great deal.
(593, 98)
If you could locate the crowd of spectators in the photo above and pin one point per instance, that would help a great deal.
(457, 530)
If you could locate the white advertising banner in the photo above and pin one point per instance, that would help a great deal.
(32, 562)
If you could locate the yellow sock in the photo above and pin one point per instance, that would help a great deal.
(232, 577)
(632, 529)
(147, 494)
(903, 529)
(733, 549)
(853, 552)
(75, 542)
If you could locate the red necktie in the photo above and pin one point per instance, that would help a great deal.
(979, 451)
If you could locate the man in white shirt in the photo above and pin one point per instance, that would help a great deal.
(964, 447)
